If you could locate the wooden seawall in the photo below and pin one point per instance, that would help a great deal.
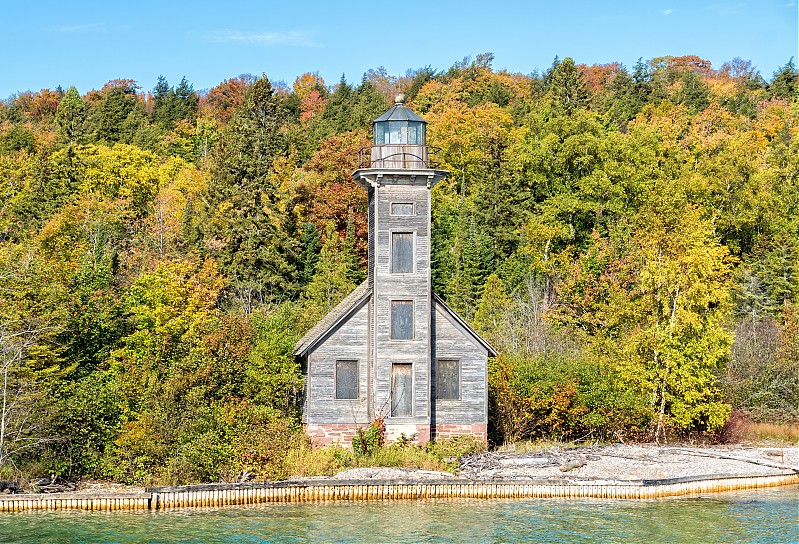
(214, 495)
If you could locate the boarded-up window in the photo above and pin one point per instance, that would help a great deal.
(401, 390)
(401, 208)
(448, 379)
(347, 379)
(401, 252)
(402, 320)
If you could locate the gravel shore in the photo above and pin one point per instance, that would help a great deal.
(617, 462)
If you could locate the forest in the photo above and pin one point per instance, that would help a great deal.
(627, 238)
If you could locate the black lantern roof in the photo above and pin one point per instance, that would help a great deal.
(400, 112)
(399, 126)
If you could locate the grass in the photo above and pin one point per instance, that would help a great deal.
(782, 433)
(441, 455)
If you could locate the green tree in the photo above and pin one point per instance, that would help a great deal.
(171, 105)
(119, 115)
(566, 85)
(490, 319)
(332, 280)
(693, 93)
(784, 82)
(310, 245)
(657, 303)
(247, 224)
(71, 116)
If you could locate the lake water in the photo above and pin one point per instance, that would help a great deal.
(770, 515)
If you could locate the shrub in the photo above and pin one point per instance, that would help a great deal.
(560, 398)
(366, 441)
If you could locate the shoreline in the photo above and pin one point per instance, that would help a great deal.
(601, 472)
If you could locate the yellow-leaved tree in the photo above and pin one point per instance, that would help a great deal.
(677, 339)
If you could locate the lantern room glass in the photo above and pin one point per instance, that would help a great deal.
(399, 133)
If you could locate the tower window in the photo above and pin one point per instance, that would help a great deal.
(346, 379)
(401, 320)
(401, 252)
(402, 208)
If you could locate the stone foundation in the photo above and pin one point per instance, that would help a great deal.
(342, 433)
(444, 431)
(331, 433)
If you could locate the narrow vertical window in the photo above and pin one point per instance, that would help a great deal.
(401, 252)
(401, 320)
(401, 390)
(448, 379)
(347, 379)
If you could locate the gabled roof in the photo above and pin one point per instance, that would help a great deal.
(437, 300)
(353, 302)
(338, 314)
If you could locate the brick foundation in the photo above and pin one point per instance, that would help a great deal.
(332, 433)
(342, 433)
(444, 431)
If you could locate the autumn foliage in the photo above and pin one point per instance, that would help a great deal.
(627, 237)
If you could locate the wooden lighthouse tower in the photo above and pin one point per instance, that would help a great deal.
(393, 349)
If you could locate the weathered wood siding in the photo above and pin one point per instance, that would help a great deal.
(451, 341)
(371, 234)
(400, 156)
(348, 341)
(413, 286)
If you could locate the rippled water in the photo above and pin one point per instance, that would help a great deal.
(750, 516)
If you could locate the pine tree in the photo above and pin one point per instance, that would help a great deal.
(246, 224)
(785, 82)
(310, 245)
(71, 116)
(332, 281)
(567, 87)
(490, 317)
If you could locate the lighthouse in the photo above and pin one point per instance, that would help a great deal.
(393, 349)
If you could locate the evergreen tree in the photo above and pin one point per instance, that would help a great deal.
(351, 108)
(246, 223)
(71, 116)
(784, 83)
(567, 88)
(120, 114)
(621, 103)
(310, 244)
(332, 281)
(490, 317)
(171, 105)
(694, 93)
(473, 255)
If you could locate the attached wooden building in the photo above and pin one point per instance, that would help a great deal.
(393, 348)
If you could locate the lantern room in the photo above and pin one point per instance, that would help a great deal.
(400, 141)
(399, 126)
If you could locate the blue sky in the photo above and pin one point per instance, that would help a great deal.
(46, 44)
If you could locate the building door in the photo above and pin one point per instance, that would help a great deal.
(401, 390)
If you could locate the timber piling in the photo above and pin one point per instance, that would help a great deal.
(216, 495)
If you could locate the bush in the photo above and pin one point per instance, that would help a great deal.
(369, 440)
(559, 398)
